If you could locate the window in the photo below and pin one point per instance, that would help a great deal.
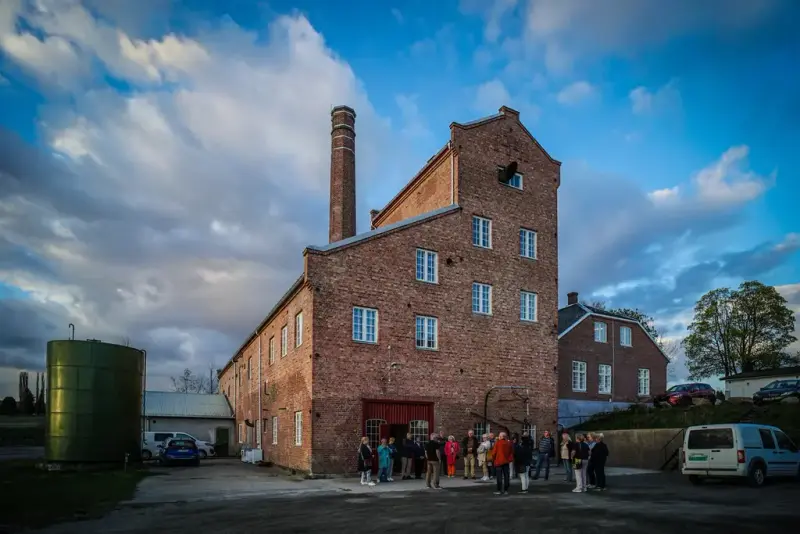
(419, 429)
(625, 336)
(242, 433)
(710, 438)
(527, 243)
(527, 306)
(298, 428)
(284, 340)
(766, 438)
(161, 437)
(427, 335)
(427, 266)
(298, 329)
(600, 334)
(274, 430)
(481, 429)
(604, 379)
(373, 432)
(481, 232)
(250, 368)
(481, 298)
(272, 350)
(644, 382)
(516, 181)
(365, 325)
(578, 376)
(784, 442)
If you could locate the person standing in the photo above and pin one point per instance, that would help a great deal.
(598, 459)
(365, 462)
(451, 450)
(580, 458)
(433, 457)
(546, 449)
(503, 456)
(490, 456)
(392, 458)
(470, 448)
(566, 456)
(419, 458)
(523, 454)
(407, 463)
(483, 449)
(384, 458)
(591, 483)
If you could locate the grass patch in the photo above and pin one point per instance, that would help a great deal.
(32, 498)
(784, 416)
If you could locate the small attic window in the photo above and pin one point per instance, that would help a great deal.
(509, 176)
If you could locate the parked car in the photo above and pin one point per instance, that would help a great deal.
(685, 394)
(754, 452)
(179, 451)
(151, 441)
(777, 391)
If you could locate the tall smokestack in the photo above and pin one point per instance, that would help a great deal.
(343, 173)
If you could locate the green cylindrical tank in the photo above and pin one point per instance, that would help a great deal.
(94, 402)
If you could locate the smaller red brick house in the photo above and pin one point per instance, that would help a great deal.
(605, 360)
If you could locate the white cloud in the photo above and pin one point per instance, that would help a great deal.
(664, 196)
(576, 93)
(414, 124)
(728, 182)
(398, 15)
(490, 95)
(665, 98)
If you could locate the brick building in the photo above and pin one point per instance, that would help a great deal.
(409, 326)
(606, 360)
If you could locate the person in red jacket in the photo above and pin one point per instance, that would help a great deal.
(503, 456)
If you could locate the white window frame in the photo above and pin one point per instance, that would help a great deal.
(272, 350)
(428, 323)
(510, 184)
(242, 431)
(525, 298)
(483, 231)
(600, 332)
(274, 429)
(604, 379)
(643, 382)
(249, 368)
(363, 325)
(528, 243)
(284, 340)
(622, 338)
(298, 329)
(298, 429)
(419, 428)
(579, 367)
(484, 298)
(424, 272)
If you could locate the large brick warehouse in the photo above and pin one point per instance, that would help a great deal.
(407, 327)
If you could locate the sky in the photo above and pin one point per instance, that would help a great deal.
(163, 164)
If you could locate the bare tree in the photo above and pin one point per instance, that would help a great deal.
(191, 382)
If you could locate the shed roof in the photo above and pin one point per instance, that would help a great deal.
(765, 373)
(174, 404)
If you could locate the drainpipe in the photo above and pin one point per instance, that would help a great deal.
(452, 175)
(258, 423)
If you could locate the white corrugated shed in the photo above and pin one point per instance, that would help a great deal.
(187, 405)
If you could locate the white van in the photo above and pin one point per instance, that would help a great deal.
(756, 452)
(151, 441)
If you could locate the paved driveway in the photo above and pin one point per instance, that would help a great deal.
(652, 503)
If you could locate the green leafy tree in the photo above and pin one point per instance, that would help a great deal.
(740, 330)
(8, 406)
(26, 403)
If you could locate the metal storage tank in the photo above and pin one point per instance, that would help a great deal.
(94, 406)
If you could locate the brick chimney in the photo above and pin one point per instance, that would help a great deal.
(572, 298)
(343, 173)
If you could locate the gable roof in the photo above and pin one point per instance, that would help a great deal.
(190, 405)
(765, 373)
(574, 314)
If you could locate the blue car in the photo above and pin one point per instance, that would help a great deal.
(777, 391)
(179, 451)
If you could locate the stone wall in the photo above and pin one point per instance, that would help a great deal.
(640, 448)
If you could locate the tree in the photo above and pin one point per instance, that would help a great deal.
(190, 382)
(740, 330)
(26, 403)
(8, 406)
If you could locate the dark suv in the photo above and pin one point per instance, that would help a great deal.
(685, 394)
(777, 391)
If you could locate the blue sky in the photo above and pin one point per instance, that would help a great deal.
(159, 161)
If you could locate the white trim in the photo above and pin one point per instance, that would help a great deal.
(363, 325)
(425, 254)
(630, 336)
(585, 376)
(274, 429)
(298, 429)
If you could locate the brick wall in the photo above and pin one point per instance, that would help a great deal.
(579, 344)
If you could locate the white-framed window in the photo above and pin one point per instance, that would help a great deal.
(625, 336)
(298, 428)
(600, 332)
(298, 329)
(242, 433)
(527, 306)
(272, 350)
(427, 266)
(373, 432)
(274, 430)
(481, 232)
(516, 181)
(480, 429)
(604, 379)
(578, 376)
(644, 382)
(427, 335)
(250, 368)
(527, 243)
(365, 325)
(481, 298)
(419, 429)
(284, 340)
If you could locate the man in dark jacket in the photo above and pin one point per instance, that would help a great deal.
(523, 454)
(408, 456)
(547, 448)
(598, 457)
(470, 447)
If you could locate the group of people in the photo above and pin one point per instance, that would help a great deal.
(498, 458)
